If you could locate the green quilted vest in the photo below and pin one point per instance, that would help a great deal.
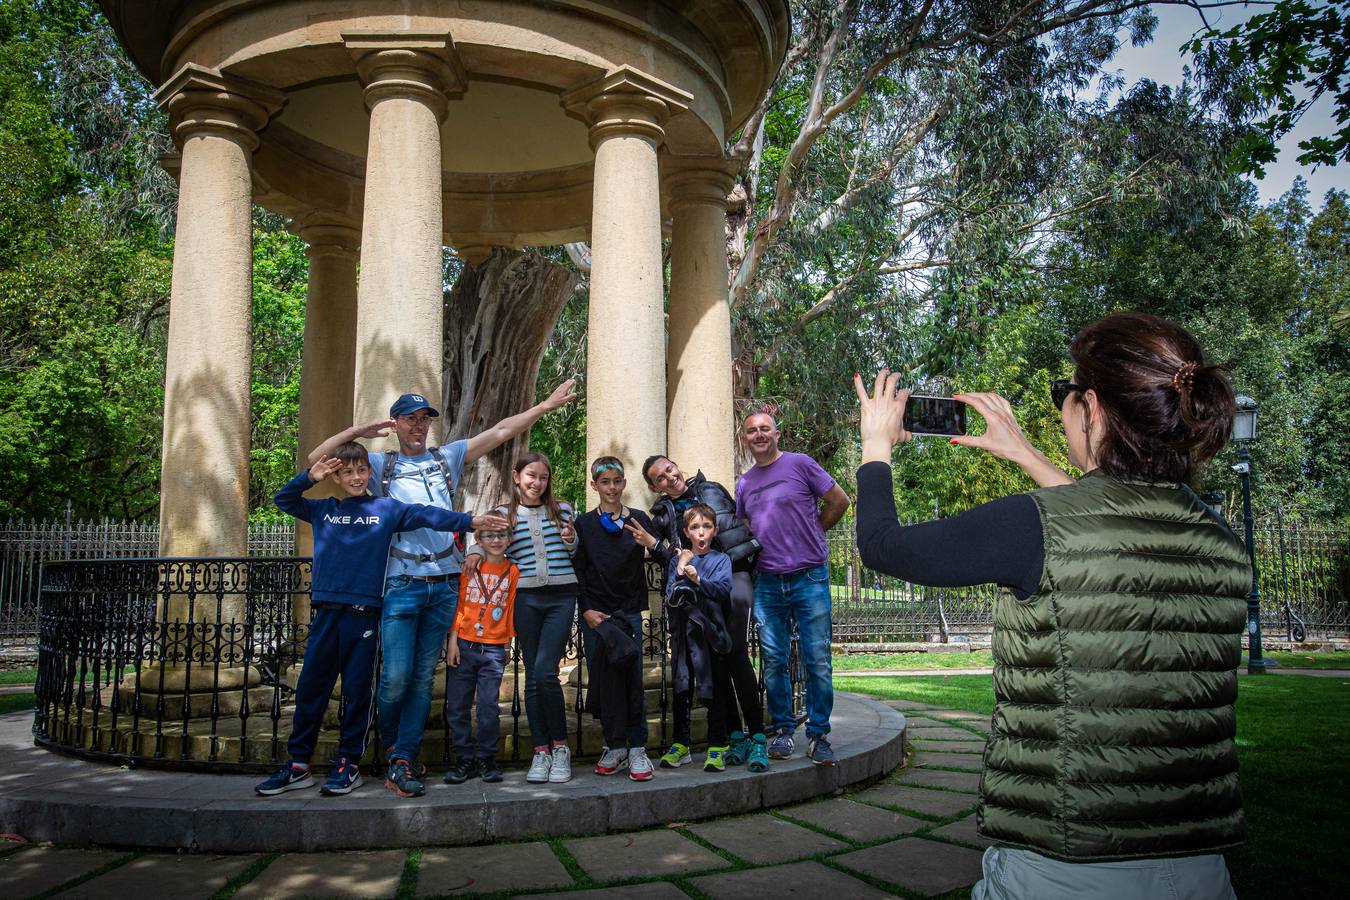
(1113, 726)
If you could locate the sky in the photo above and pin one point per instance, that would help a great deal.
(1161, 61)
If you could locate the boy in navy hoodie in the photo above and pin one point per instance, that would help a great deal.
(351, 548)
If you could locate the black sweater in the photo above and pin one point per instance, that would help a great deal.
(999, 542)
(609, 566)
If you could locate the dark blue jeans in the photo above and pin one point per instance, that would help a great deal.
(543, 628)
(478, 676)
(802, 597)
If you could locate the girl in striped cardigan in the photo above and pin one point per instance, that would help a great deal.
(542, 543)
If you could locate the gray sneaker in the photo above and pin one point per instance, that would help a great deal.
(819, 752)
(781, 744)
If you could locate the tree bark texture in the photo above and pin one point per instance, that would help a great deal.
(499, 317)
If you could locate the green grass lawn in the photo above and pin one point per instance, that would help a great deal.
(15, 702)
(853, 662)
(18, 676)
(1331, 659)
(1292, 731)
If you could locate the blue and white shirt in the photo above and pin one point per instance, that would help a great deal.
(419, 479)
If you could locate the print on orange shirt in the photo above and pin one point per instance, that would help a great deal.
(486, 607)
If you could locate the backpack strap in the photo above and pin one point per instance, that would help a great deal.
(387, 471)
(387, 475)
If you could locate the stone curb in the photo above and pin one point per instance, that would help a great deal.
(49, 797)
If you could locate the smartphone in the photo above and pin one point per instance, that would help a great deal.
(940, 416)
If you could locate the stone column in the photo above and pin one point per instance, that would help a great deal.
(698, 370)
(204, 481)
(399, 299)
(328, 367)
(626, 356)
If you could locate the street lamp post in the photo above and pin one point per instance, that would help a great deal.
(1244, 432)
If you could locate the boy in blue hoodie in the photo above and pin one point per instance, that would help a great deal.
(351, 548)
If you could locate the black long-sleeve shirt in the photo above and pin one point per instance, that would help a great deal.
(999, 542)
(609, 566)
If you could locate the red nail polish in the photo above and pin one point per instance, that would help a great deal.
(953, 440)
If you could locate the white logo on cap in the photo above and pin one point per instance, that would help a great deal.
(419, 398)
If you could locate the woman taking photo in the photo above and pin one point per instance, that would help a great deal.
(1110, 769)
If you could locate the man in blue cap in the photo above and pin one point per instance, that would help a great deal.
(422, 578)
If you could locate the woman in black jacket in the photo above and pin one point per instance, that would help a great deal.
(1111, 768)
(735, 540)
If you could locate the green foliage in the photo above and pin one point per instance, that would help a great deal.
(1294, 44)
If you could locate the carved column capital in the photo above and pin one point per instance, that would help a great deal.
(697, 180)
(626, 101)
(199, 100)
(324, 235)
(423, 67)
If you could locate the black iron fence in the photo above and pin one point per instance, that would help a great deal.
(191, 663)
(1304, 571)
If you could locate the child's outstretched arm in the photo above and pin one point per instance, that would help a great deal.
(419, 515)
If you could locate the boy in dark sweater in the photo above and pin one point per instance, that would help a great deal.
(351, 548)
(611, 575)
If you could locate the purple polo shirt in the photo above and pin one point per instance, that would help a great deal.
(781, 502)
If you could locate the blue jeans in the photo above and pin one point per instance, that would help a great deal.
(543, 628)
(416, 616)
(803, 597)
(478, 676)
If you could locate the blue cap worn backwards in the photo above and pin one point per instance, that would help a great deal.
(409, 404)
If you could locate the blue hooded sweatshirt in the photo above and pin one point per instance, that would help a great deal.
(352, 538)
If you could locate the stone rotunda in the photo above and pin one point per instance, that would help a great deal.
(388, 129)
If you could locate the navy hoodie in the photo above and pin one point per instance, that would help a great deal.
(352, 538)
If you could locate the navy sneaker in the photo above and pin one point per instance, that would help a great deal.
(781, 744)
(819, 752)
(343, 778)
(489, 771)
(291, 777)
(463, 769)
(402, 781)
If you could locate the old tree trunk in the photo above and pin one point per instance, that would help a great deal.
(499, 317)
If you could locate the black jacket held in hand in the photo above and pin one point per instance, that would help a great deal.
(733, 534)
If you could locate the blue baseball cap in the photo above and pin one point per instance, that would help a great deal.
(409, 404)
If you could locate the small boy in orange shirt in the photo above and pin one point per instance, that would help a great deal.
(479, 647)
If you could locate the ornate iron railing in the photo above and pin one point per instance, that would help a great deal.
(190, 663)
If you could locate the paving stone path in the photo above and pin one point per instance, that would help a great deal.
(910, 835)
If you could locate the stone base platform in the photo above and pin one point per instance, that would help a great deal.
(49, 797)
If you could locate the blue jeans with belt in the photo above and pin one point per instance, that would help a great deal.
(416, 616)
(802, 597)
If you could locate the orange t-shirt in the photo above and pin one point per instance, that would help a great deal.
(486, 609)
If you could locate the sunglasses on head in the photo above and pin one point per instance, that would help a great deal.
(1061, 388)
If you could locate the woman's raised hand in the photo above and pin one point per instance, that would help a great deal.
(1004, 438)
(883, 416)
(641, 536)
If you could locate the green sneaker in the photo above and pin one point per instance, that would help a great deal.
(716, 760)
(739, 751)
(758, 758)
(678, 755)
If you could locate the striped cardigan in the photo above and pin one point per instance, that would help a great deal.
(537, 548)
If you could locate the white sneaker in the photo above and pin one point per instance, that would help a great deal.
(561, 768)
(612, 760)
(540, 768)
(639, 766)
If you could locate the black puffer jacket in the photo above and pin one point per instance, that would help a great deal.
(733, 534)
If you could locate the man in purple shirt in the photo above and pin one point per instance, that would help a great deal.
(790, 502)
